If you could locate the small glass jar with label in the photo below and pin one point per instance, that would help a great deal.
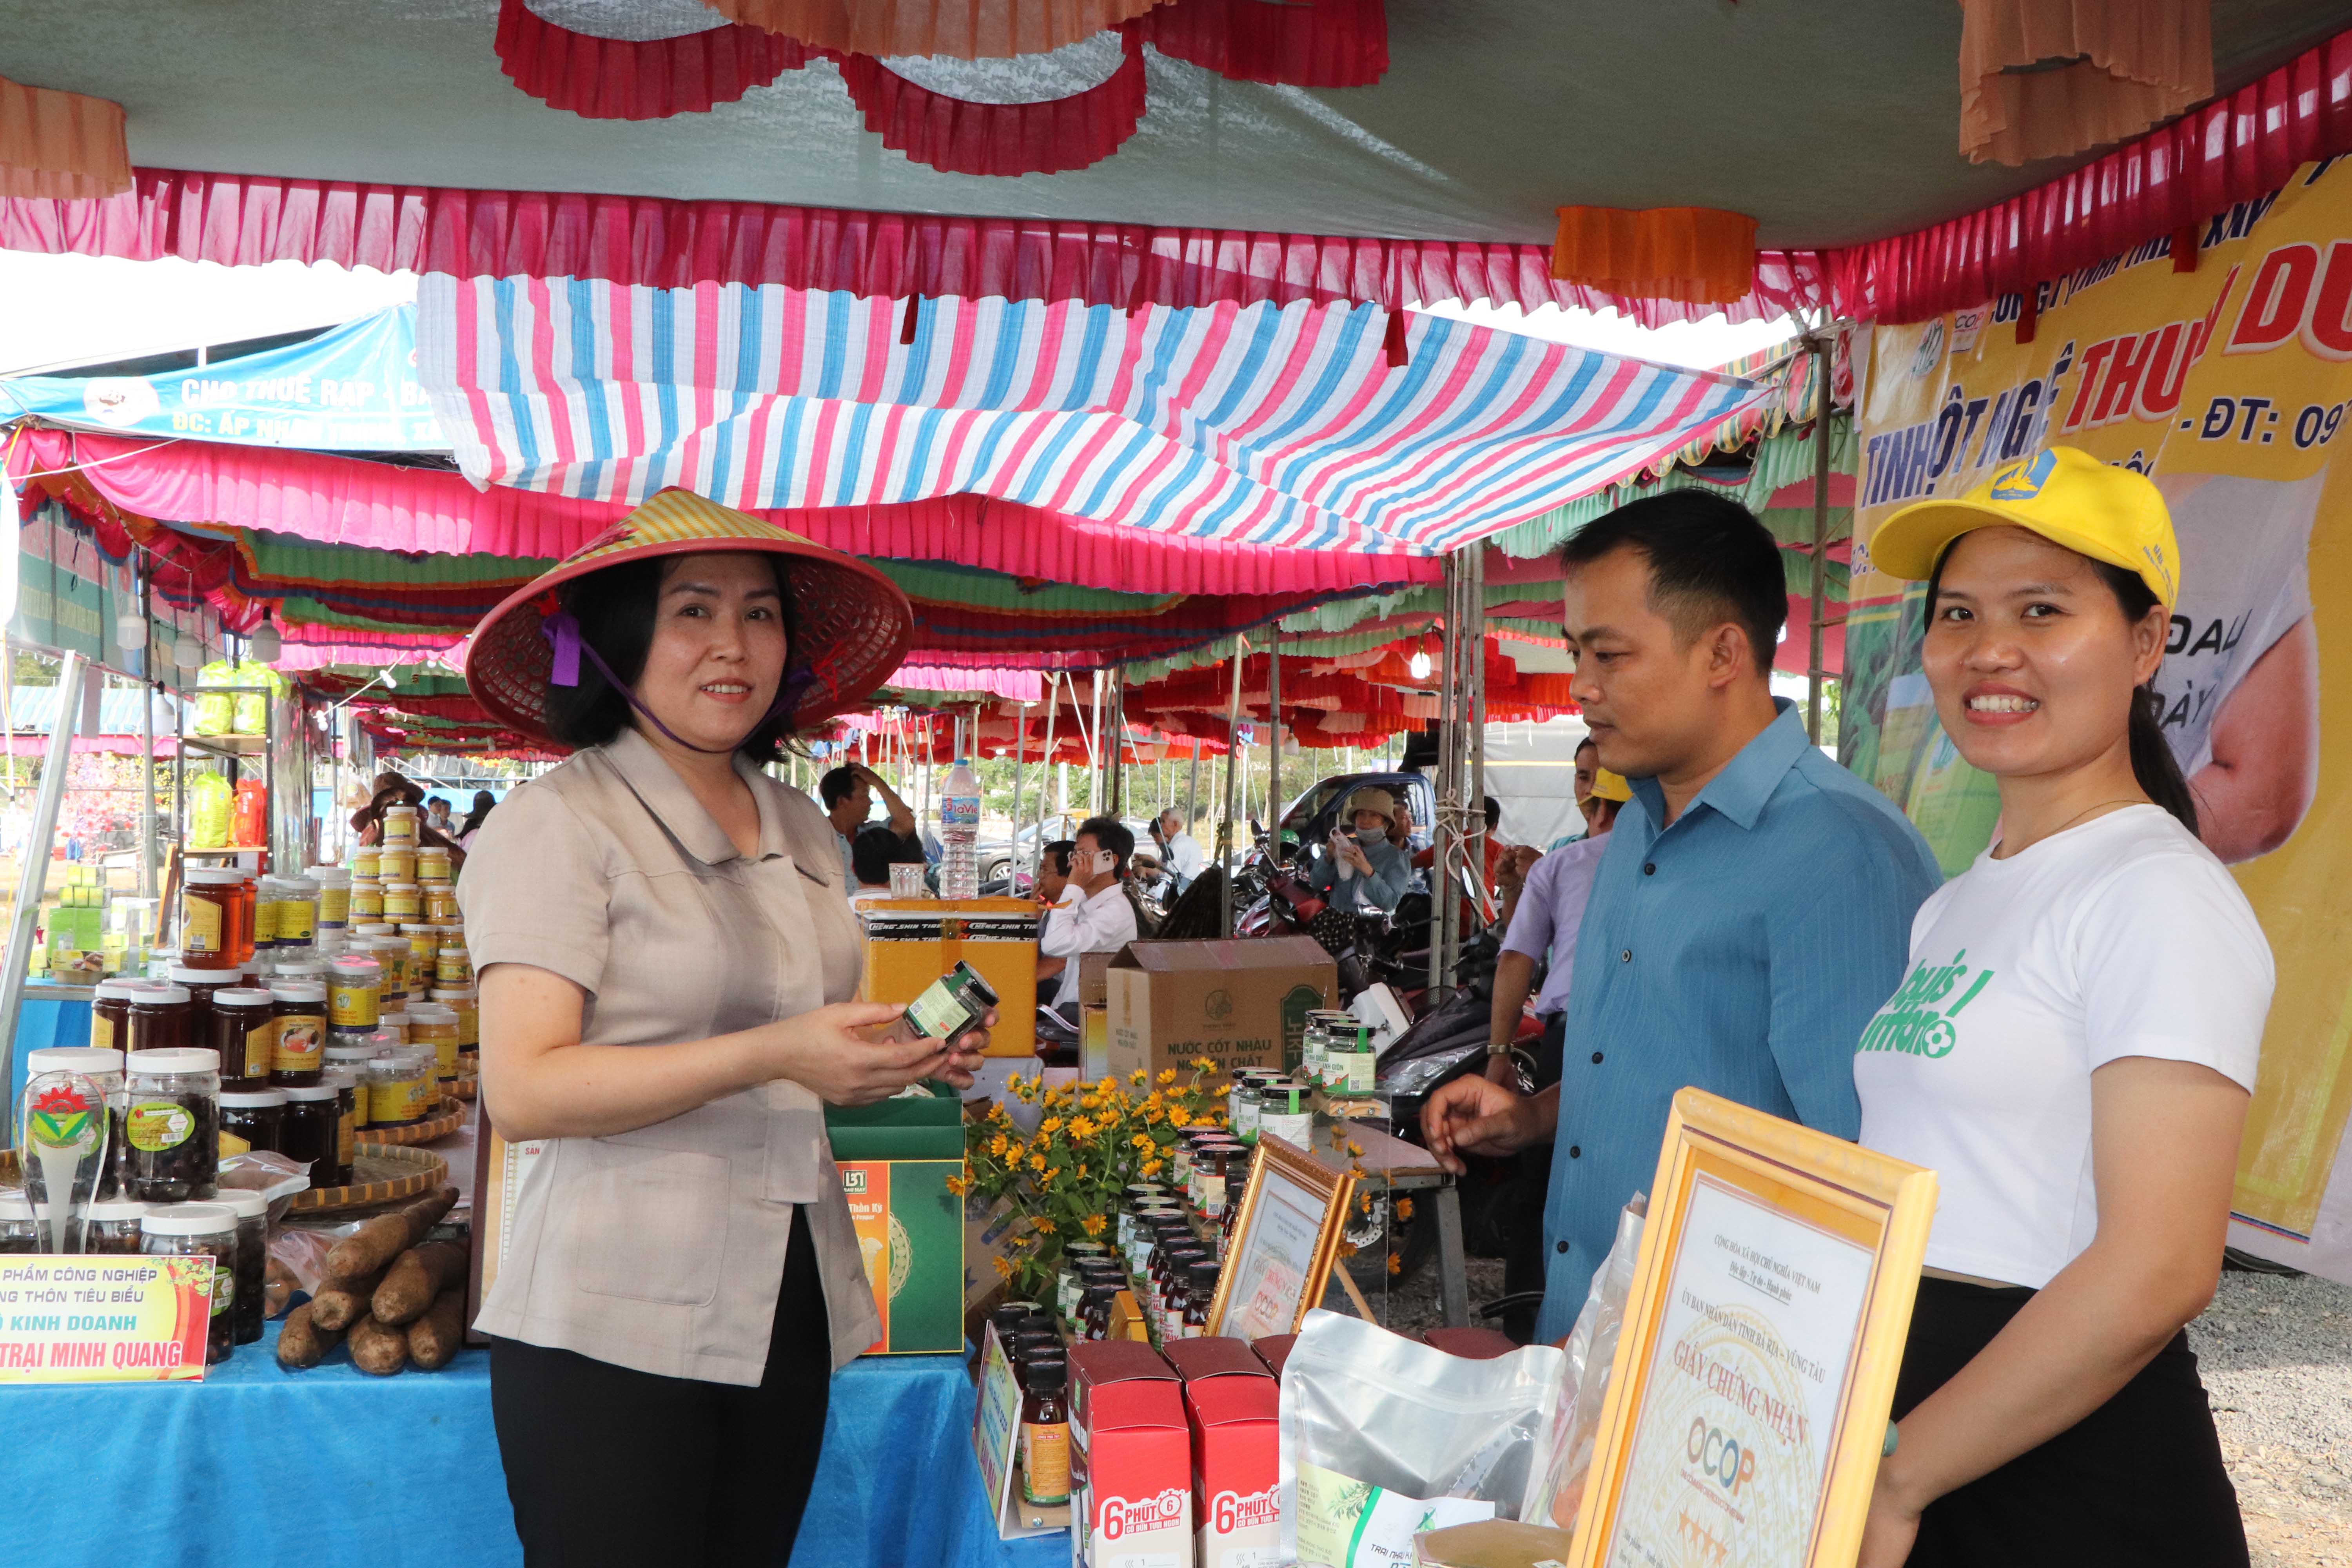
(111, 1226)
(266, 891)
(399, 827)
(212, 920)
(297, 912)
(430, 1025)
(159, 1019)
(350, 1058)
(308, 1133)
(464, 1001)
(200, 1230)
(300, 1006)
(250, 1268)
(109, 1012)
(400, 1087)
(402, 903)
(432, 863)
(345, 1082)
(171, 1125)
(334, 884)
(363, 859)
(1287, 1110)
(366, 899)
(452, 963)
(355, 993)
(253, 1114)
(241, 1027)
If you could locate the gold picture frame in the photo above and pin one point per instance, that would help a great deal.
(1747, 1404)
(1286, 1240)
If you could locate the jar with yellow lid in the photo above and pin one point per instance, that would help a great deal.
(366, 901)
(452, 963)
(430, 1023)
(463, 1001)
(432, 863)
(402, 903)
(399, 826)
(364, 861)
(402, 1086)
(440, 902)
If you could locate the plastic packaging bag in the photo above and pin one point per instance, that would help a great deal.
(214, 713)
(253, 710)
(1556, 1481)
(1383, 1438)
(209, 802)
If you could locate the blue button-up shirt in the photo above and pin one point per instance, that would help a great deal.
(1741, 950)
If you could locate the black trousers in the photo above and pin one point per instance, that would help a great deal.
(2139, 1482)
(1523, 1259)
(610, 1466)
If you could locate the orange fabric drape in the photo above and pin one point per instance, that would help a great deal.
(2042, 78)
(61, 146)
(1699, 256)
(959, 29)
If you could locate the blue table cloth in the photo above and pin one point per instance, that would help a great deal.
(260, 1468)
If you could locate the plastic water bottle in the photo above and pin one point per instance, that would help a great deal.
(960, 833)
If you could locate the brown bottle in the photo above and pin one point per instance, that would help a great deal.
(1046, 1435)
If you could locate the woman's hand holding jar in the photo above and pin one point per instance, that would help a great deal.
(851, 1053)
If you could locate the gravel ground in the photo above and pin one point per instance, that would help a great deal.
(2276, 1356)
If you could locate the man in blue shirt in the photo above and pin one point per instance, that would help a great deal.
(1752, 909)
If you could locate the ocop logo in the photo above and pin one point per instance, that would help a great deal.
(1123, 1517)
(1229, 1511)
(1717, 1453)
(852, 1181)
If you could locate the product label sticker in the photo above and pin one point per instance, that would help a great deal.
(200, 926)
(294, 921)
(223, 1286)
(155, 1125)
(261, 1049)
(299, 1041)
(353, 1006)
(1348, 1523)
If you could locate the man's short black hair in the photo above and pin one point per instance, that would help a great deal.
(1587, 744)
(876, 848)
(1710, 562)
(1058, 853)
(1108, 833)
(1493, 813)
(837, 786)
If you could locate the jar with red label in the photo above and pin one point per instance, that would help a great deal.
(297, 1054)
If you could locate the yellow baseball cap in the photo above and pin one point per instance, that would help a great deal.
(1606, 785)
(2063, 494)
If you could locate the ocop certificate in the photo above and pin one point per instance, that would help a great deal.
(1731, 1443)
(1747, 1400)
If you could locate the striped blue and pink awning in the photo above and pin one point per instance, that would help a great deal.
(1288, 426)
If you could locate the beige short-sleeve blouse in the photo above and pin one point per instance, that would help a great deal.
(662, 1250)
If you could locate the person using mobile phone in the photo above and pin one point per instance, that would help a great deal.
(668, 972)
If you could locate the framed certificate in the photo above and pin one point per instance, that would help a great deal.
(1747, 1404)
(1285, 1238)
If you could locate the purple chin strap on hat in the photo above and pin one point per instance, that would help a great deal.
(562, 634)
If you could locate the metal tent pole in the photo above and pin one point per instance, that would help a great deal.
(1473, 626)
(1045, 775)
(1816, 675)
(1225, 826)
(1114, 711)
(1192, 789)
(1020, 759)
(1274, 747)
(1443, 909)
(32, 879)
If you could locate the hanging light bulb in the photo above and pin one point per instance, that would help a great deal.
(131, 631)
(265, 644)
(188, 652)
(392, 675)
(1419, 665)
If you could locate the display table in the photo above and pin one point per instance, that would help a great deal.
(260, 1468)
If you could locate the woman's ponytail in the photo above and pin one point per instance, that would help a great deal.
(2154, 766)
(2153, 763)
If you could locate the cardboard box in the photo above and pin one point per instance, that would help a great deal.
(1477, 1344)
(1094, 970)
(1242, 1002)
(1493, 1543)
(910, 1231)
(1274, 1350)
(1236, 1436)
(907, 944)
(1131, 1451)
(1214, 1356)
(1095, 1364)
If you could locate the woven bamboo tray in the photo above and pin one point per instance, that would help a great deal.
(383, 1173)
(447, 1118)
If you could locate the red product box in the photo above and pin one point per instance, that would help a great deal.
(1134, 1505)
(1236, 1439)
(1213, 1356)
(1095, 1362)
(1477, 1344)
(1274, 1350)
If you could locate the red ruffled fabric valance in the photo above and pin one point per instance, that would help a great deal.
(617, 78)
(248, 220)
(958, 29)
(1317, 43)
(2236, 149)
(958, 136)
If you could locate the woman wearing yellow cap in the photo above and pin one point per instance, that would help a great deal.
(667, 968)
(2072, 1053)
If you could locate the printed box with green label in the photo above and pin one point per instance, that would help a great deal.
(1242, 1004)
(895, 1160)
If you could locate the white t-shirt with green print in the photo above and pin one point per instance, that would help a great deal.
(2123, 937)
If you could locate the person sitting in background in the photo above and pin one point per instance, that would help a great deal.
(483, 800)
(1178, 849)
(848, 794)
(1053, 888)
(872, 853)
(1100, 919)
(1364, 869)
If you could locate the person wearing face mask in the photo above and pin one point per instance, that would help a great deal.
(1362, 868)
(2073, 1054)
(669, 966)
(1101, 919)
(1053, 888)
